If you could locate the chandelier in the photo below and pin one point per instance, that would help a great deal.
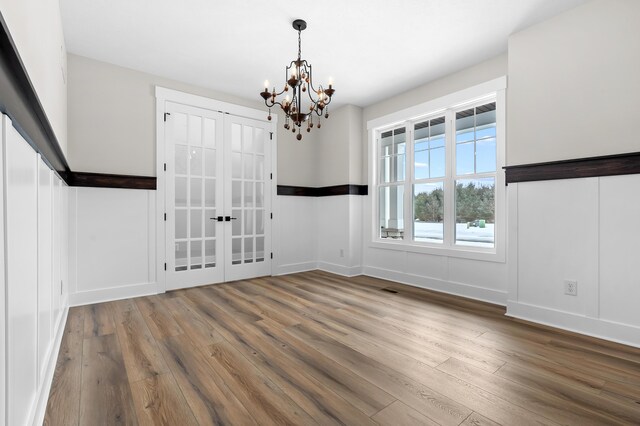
(299, 81)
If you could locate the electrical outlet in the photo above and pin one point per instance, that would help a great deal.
(571, 287)
(341, 252)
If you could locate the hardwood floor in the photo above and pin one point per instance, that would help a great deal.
(316, 348)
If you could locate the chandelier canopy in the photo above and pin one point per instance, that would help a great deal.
(299, 81)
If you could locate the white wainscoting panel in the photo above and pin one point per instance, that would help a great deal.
(557, 241)
(32, 307)
(619, 250)
(21, 206)
(318, 233)
(487, 275)
(113, 252)
(4, 123)
(474, 279)
(59, 252)
(583, 230)
(59, 301)
(45, 266)
(295, 232)
(427, 265)
(339, 234)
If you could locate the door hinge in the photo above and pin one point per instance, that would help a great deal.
(270, 136)
(165, 167)
(165, 115)
(165, 266)
(271, 176)
(165, 217)
(272, 255)
(271, 215)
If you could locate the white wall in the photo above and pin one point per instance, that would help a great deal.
(36, 29)
(583, 230)
(113, 247)
(573, 84)
(338, 149)
(112, 123)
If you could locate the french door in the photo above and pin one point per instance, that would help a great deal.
(218, 197)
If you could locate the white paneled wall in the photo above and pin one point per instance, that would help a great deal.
(577, 229)
(35, 224)
(477, 279)
(45, 266)
(619, 237)
(339, 234)
(327, 233)
(3, 287)
(21, 204)
(295, 231)
(112, 247)
(318, 233)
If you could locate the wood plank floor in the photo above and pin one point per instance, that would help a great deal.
(316, 348)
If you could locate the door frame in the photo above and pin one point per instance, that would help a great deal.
(164, 95)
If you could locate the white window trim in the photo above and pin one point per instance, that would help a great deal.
(494, 89)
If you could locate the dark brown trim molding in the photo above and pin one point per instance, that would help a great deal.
(101, 180)
(19, 101)
(610, 165)
(325, 191)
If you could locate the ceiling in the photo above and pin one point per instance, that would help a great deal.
(371, 48)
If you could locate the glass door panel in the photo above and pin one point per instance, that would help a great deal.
(194, 142)
(249, 178)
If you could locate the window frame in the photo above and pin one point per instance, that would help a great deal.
(492, 91)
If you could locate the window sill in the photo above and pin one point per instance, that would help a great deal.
(485, 255)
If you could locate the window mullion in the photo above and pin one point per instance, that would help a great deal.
(449, 186)
(408, 184)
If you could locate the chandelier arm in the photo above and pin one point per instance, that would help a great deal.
(309, 90)
(311, 79)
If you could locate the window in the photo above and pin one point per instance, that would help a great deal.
(475, 176)
(393, 145)
(437, 179)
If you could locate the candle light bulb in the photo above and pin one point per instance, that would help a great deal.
(330, 81)
(266, 85)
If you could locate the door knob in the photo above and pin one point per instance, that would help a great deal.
(229, 218)
(219, 218)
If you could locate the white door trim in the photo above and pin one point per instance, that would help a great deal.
(164, 95)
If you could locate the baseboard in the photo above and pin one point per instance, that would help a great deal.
(43, 395)
(602, 329)
(114, 293)
(457, 289)
(293, 268)
(346, 271)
